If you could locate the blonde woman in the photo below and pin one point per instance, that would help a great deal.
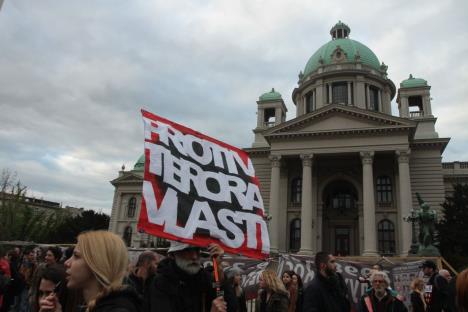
(97, 268)
(272, 296)
(417, 296)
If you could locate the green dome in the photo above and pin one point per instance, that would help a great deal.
(350, 47)
(270, 96)
(140, 164)
(412, 82)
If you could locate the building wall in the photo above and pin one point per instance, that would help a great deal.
(427, 177)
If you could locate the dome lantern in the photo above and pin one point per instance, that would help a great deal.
(340, 31)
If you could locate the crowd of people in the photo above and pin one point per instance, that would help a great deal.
(95, 275)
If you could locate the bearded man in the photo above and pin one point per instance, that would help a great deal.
(327, 292)
(181, 284)
(379, 298)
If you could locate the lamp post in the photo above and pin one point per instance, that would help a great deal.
(414, 243)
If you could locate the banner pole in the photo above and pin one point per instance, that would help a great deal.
(219, 292)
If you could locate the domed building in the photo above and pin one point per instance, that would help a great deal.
(342, 174)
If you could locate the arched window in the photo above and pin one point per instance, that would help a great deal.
(384, 189)
(296, 190)
(295, 235)
(386, 237)
(127, 235)
(131, 208)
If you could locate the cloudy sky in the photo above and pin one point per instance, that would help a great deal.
(74, 75)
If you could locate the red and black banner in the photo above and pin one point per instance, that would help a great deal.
(199, 190)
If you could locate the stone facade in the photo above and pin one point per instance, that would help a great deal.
(343, 173)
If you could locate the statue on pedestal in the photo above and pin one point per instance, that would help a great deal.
(426, 219)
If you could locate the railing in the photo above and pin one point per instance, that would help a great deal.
(416, 113)
(447, 165)
(269, 124)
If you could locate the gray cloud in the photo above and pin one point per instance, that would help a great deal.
(74, 75)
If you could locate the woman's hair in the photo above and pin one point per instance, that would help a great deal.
(106, 255)
(462, 291)
(273, 282)
(56, 251)
(417, 284)
(54, 273)
(299, 280)
(229, 275)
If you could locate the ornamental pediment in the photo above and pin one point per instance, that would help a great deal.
(338, 119)
(128, 177)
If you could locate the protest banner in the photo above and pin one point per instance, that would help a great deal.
(400, 274)
(199, 190)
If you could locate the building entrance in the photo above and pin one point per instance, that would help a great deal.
(340, 218)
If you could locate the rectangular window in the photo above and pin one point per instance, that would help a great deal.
(374, 99)
(340, 93)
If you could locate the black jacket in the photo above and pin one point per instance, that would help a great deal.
(124, 300)
(173, 290)
(278, 302)
(439, 298)
(138, 283)
(388, 304)
(326, 295)
(417, 303)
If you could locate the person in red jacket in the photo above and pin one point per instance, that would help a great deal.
(4, 270)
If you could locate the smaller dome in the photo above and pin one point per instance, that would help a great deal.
(140, 164)
(270, 96)
(340, 30)
(412, 82)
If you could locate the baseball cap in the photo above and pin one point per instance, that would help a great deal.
(178, 246)
(428, 264)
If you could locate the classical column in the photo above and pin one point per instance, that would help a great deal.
(274, 201)
(404, 109)
(330, 95)
(278, 116)
(370, 233)
(307, 236)
(368, 104)
(379, 99)
(350, 100)
(319, 95)
(427, 106)
(405, 200)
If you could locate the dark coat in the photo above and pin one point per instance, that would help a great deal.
(138, 283)
(388, 304)
(440, 297)
(124, 300)
(278, 302)
(173, 290)
(326, 295)
(417, 303)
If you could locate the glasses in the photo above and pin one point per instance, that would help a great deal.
(378, 281)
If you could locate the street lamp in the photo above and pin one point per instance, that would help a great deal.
(414, 243)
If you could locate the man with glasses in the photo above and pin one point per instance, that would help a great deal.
(379, 298)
